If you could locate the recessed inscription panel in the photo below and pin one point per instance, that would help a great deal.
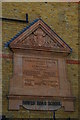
(40, 72)
(41, 105)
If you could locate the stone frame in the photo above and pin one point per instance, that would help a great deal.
(32, 43)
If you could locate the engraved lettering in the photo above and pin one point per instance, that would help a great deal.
(40, 72)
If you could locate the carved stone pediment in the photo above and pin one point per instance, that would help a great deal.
(40, 37)
(39, 70)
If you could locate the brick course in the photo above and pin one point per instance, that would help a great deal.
(10, 56)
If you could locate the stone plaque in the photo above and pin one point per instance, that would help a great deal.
(39, 70)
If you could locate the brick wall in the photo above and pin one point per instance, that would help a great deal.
(63, 19)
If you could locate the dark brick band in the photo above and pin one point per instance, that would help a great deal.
(72, 61)
(9, 56)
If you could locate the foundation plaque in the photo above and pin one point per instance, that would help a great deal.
(39, 79)
(39, 72)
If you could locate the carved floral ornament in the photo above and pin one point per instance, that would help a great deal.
(40, 39)
(38, 73)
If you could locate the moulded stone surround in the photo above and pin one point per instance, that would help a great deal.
(40, 68)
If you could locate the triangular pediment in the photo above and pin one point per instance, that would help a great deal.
(38, 39)
(40, 36)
